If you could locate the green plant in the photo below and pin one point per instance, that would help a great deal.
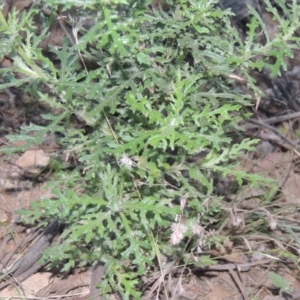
(161, 92)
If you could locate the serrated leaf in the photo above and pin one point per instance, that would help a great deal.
(280, 282)
(142, 58)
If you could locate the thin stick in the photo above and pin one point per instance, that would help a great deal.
(273, 120)
(238, 283)
(289, 142)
